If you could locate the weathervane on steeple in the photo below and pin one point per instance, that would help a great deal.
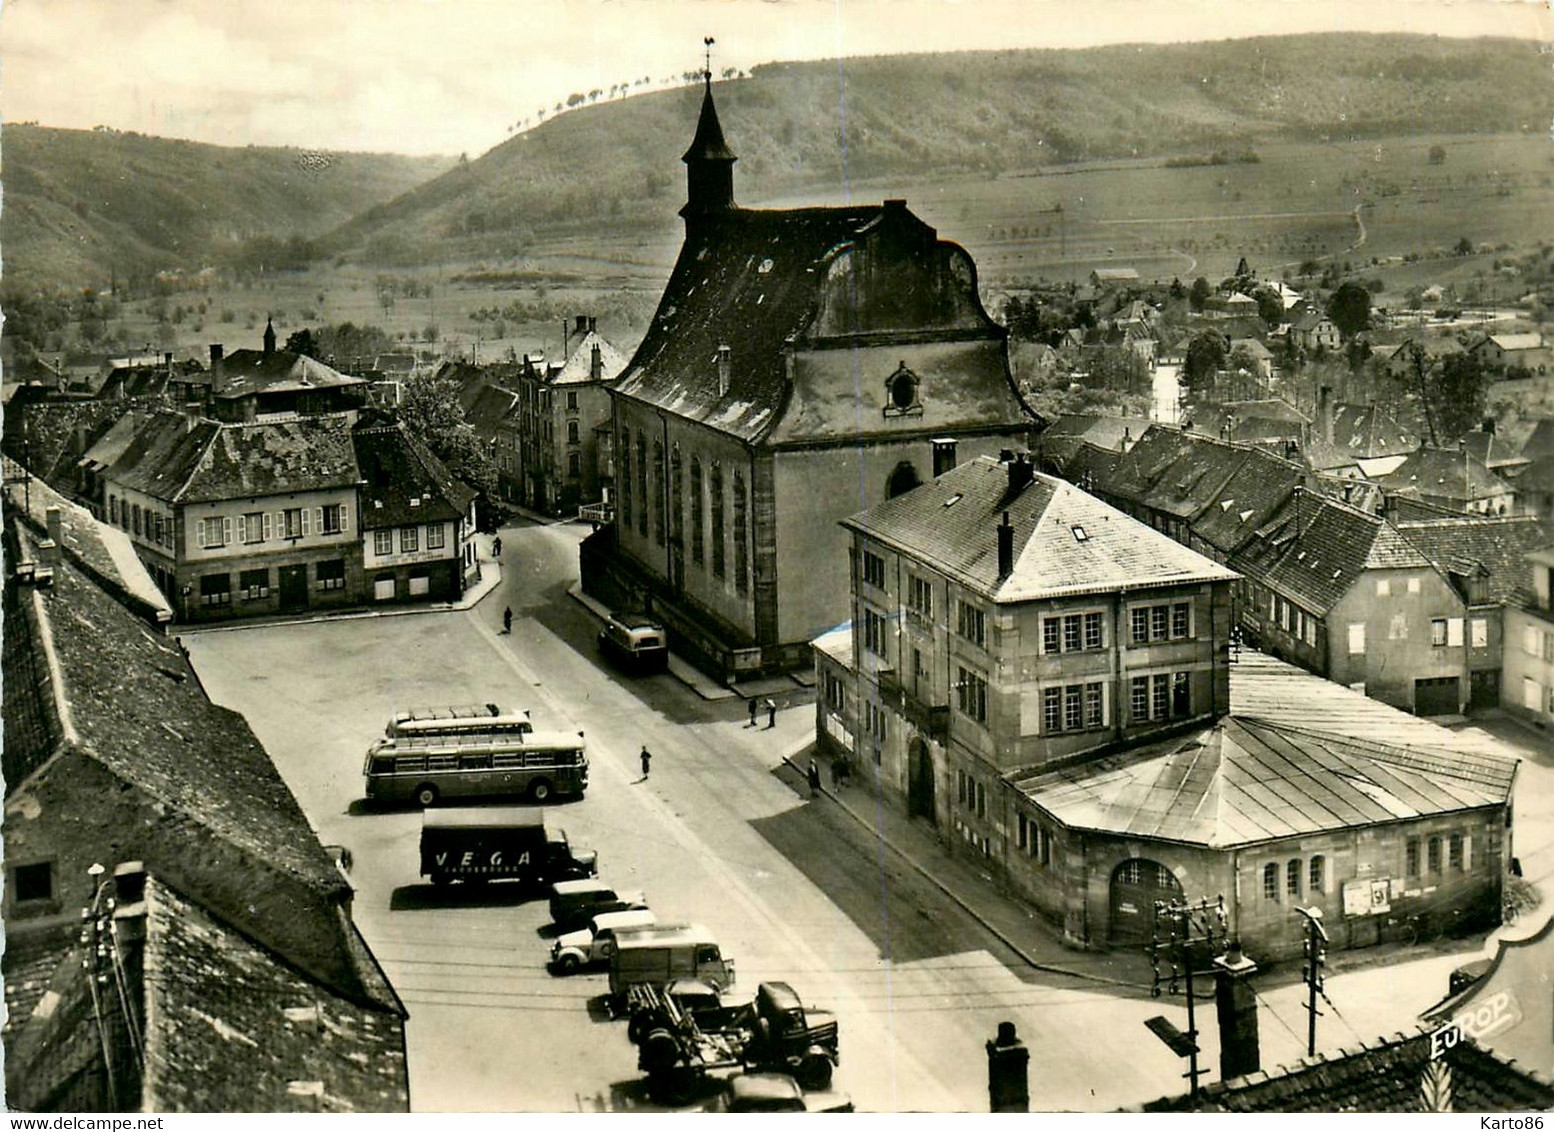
(707, 42)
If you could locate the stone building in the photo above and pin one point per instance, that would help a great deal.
(799, 366)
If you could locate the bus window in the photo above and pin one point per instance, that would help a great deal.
(475, 762)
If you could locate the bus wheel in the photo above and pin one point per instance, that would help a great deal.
(540, 789)
(426, 795)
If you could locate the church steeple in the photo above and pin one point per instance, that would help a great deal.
(709, 163)
(269, 337)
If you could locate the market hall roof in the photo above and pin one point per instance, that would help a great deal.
(1065, 540)
(1246, 780)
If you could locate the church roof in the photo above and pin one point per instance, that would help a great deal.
(708, 144)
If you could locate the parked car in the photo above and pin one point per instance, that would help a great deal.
(573, 902)
(775, 1092)
(635, 642)
(595, 943)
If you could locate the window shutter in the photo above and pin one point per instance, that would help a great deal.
(305, 511)
(226, 529)
(1531, 645)
(1467, 853)
(318, 516)
(199, 531)
(268, 526)
(242, 528)
(1454, 632)
(345, 519)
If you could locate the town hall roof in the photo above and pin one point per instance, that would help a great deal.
(402, 482)
(1065, 541)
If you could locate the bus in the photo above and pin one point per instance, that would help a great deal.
(426, 768)
(476, 719)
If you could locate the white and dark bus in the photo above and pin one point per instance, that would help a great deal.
(426, 768)
(475, 719)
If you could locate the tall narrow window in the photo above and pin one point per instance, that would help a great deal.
(625, 493)
(676, 502)
(1317, 879)
(698, 515)
(1270, 881)
(1292, 879)
(718, 550)
(658, 492)
(642, 485)
(741, 535)
(1433, 854)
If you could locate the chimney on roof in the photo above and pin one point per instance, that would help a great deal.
(943, 455)
(1325, 412)
(167, 360)
(1021, 472)
(1235, 1003)
(580, 325)
(1127, 438)
(129, 902)
(725, 369)
(593, 324)
(1291, 448)
(595, 364)
(1005, 547)
(1489, 425)
(191, 416)
(218, 381)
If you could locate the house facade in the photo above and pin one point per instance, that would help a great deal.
(1528, 682)
(800, 366)
(1005, 619)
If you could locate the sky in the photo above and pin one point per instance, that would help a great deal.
(454, 76)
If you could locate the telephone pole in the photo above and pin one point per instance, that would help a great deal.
(1187, 937)
(1311, 972)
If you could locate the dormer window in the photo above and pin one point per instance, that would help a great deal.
(902, 393)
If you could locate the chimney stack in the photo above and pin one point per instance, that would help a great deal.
(580, 324)
(943, 455)
(725, 369)
(129, 899)
(1489, 425)
(218, 381)
(191, 416)
(1236, 1005)
(595, 364)
(1005, 547)
(593, 324)
(1021, 472)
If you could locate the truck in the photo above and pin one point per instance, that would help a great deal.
(499, 843)
(776, 1033)
(658, 956)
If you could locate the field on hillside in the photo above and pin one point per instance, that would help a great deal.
(1297, 203)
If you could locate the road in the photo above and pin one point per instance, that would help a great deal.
(793, 889)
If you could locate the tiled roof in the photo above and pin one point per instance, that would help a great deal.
(138, 711)
(49, 436)
(579, 366)
(1537, 476)
(395, 469)
(1085, 464)
(1541, 442)
(1492, 450)
(1365, 431)
(1268, 408)
(1497, 546)
(1449, 473)
(1244, 780)
(253, 371)
(1179, 473)
(1104, 432)
(273, 457)
(1065, 541)
(1516, 341)
(163, 455)
(1384, 1076)
(485, 406)
(1258, 489)
(1315, 548)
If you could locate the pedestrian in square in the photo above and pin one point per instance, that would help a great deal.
(647, 760)
(813, 775)
(754, 707)
(838, 770)
(771, 714)
(507, 619)
(496, 547)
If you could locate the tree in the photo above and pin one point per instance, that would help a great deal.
(429, 408)
(1206, 353)
(1350, 308)
(1270, 306)
(301, 342)
(1118, 368)
(1199, 293)
(1459, 394)
(1437, 155)
(1464, 247)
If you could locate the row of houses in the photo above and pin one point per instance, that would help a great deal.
(1405, 603)
(1051, 684)
(176, 937)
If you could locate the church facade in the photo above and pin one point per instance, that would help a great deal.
(803, 365)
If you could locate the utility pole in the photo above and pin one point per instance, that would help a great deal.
(1311, 972)
(1188, 937)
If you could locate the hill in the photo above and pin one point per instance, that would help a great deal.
(81, 205)
(947, 116)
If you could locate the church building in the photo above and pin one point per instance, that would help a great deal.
(803, 365)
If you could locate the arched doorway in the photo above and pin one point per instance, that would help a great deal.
(1136, 884)
(920, 803)
(902, 480)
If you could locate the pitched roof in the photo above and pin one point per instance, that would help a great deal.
(579, 366)
(1540, 442)
(1492, 450)
(1384, 1076)
(1260, 486)
(1448, 473)
(1366, 431)
(230, 833)
(1244, 780)
(254, 371)
(273, 457)
(1497, 547)
(1315, 549)
(1102, 431)
(1177, 472)
(486, 406)
(1531, 341)
(163, 455)
(396, 468)
(1065, 541)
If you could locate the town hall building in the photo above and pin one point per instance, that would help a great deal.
(803, 365)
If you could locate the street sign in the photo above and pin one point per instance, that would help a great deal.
(1179, 1043)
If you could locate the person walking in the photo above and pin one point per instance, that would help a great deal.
(771, 714)
(647, 760)
(496, 547)
(814, 778)
(507, 619)
(754, 707)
